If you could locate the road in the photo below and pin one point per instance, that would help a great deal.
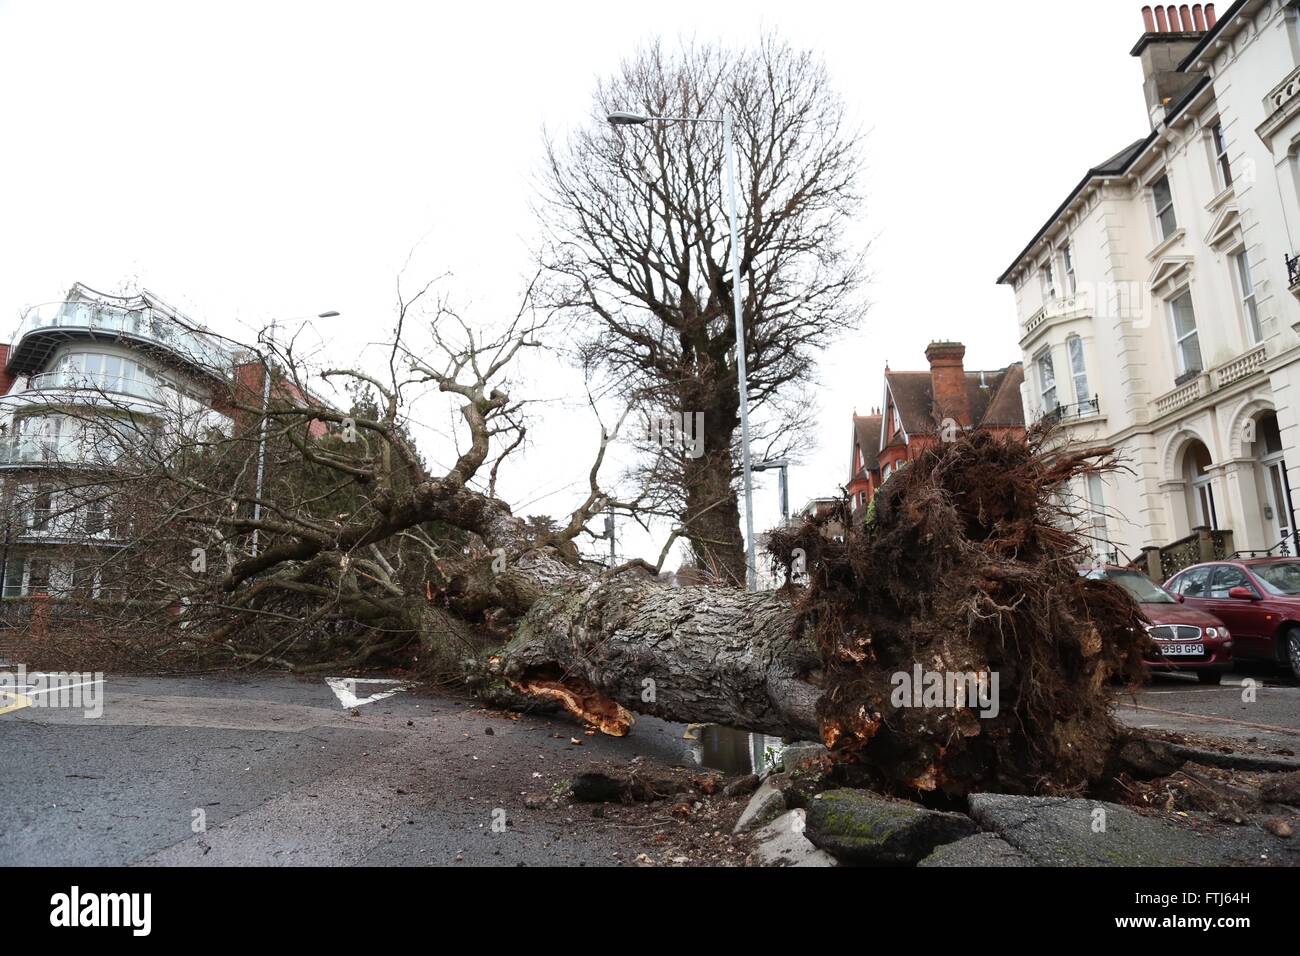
(277, 770)
(1258, 709)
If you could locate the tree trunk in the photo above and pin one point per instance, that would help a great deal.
(713, 512)
(701, 655)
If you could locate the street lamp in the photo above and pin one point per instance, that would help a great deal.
(261, 435)
(621, 118)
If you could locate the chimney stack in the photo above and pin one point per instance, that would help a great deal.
(1169, 33)
(948, 382)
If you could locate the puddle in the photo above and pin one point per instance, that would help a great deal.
(731, 751)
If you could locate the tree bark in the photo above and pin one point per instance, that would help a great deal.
(700, 655)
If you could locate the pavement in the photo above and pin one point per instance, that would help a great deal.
(272, 770)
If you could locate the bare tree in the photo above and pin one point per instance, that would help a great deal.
(637, 254)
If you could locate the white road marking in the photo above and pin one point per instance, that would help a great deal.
(84, 683)
(345, 689)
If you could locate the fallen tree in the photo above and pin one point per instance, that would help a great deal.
(358, 552)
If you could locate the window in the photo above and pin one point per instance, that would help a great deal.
(1187, 344)
(1249, 310)
(1226, 577)
(1047, 380)
(1096, 513)
(1193, 583)
(13, 571)
(1221, 156)
(38, 576)
(1078, 371)
(95, 518)
(1201, 504)
(1164, 201)
(1067, 259)
(42, 506)
(1049, 281)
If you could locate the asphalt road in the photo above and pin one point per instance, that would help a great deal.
(1255, 710)
(285, 774)
(280, 771)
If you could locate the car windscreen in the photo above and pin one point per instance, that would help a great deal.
(1279, 577)
(1143, 591)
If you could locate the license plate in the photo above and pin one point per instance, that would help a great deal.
(1181, 650)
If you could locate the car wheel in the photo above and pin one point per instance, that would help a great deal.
(1291, 650)
(1210, 677)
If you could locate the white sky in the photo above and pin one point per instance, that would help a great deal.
(253, 160)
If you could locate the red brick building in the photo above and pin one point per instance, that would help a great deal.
(920, 408)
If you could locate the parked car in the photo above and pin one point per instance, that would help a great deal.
(1259, 600)
(1189, 639)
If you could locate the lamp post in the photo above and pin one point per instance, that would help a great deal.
(636, 119)
(261, 434)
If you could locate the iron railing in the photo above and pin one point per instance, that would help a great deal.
(1090, 406)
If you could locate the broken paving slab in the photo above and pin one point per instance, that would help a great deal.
(982, 849)
(1062, 831)
(783, 843)
(855, 826)
(767, 803)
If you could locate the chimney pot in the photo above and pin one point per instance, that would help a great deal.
(1210, 19)
(1198, 18)
(1148, 20)
(1162, 21)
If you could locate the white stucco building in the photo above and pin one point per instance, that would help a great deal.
(1157, 306)
(83, 382)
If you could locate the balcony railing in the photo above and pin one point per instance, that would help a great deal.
(145, 324)
(95, 382)
(1292, 272)
(1085, 409)
(1058, 305)
(38, 451)
(1248, 363)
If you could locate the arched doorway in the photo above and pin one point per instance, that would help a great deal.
(1274, 488)
(1201, 510)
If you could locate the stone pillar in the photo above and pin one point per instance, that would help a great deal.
(1247, 512)
(1175, 495)
(1150, 564)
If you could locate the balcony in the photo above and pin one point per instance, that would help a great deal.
(1248, 363)
(1089, 408)
(1183, 395)
(45, 327)
(1200, 384)
(1058, 307)
(96, 384)
(29, 452)
(1293, 274)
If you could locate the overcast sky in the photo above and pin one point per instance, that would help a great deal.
(260, 160)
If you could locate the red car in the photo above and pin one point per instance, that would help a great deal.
(1259, 600)
(1189, 639)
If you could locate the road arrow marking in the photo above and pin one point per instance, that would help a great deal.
(345, 689)
(16, 701)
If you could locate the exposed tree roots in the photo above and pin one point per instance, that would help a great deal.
(964, 570)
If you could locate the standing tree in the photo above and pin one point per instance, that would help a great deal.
(638, 252)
